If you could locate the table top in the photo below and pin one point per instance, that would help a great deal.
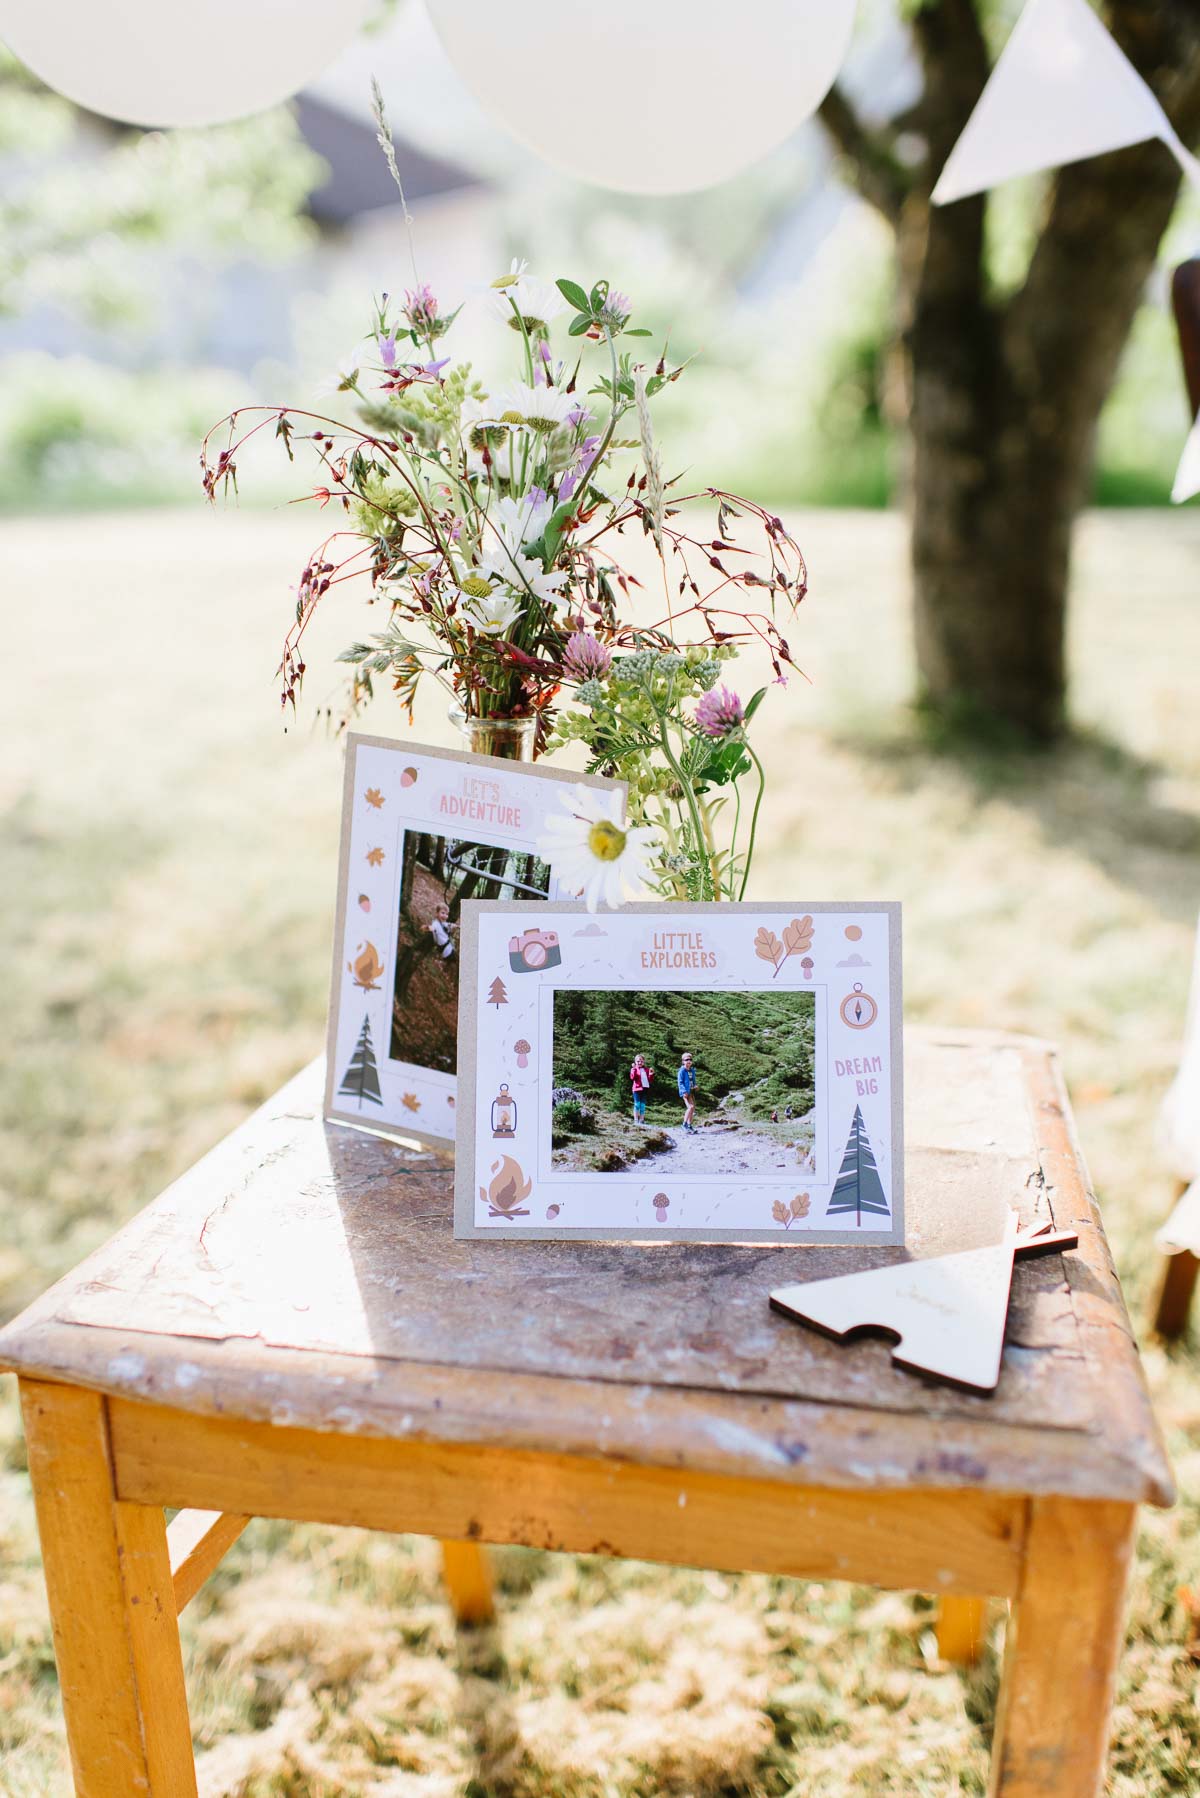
(307, 1274)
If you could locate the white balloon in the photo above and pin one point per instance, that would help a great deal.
(649, 96)
(178, 62)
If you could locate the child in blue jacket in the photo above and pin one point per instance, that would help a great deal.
(687, 1091)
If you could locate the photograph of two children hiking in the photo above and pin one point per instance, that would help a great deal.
(702, 1084)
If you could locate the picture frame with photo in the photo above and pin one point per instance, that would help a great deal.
(424, 831)
(676, 1072)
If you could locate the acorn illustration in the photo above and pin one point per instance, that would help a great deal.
(661, 1206)
(408, 778)
(522, 1052)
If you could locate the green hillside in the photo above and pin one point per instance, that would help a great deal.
(759, 1045)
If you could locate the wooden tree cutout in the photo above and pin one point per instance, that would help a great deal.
(947, 1314)
(361, 1079)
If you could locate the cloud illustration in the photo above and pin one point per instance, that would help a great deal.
(591, 930)
(854, 961)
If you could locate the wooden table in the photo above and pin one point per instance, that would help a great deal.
(291, 1331)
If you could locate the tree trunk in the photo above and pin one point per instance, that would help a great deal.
(1003, 440)
(1004, 395)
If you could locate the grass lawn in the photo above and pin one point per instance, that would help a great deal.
(166, 880)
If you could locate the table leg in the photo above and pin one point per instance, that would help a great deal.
(112, 1606)
(468, 1576)
(1066, 1628)
(1177, 1283)
(960, 1629)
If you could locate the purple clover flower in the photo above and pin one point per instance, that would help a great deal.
(421, 307)
(618, 307)
(719, 713)
(585, 658)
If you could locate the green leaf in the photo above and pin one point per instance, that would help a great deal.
(727, 763)
(579, 325)
(599, 296)
(573, 294)
(753, 704)
(641, 331)
(545, 547)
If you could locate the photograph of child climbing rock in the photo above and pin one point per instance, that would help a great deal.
(437, 874)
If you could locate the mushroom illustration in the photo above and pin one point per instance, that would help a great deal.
(661, 1205)
(806, 966)
(522, 1052)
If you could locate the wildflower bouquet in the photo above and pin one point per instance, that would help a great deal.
(486, 518)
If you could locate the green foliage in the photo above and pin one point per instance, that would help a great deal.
(569, 1118)
(77, 434)
(383, 505)
(73, 227)
(760, 1045)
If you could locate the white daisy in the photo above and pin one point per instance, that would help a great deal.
(494, 613)
(538, 302)
(593, 854)
(518, 520)
(349, 366)
(524, 574)
(470, 423)
(536, 408)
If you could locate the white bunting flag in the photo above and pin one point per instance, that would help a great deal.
(1187, 485)
(1060, 91)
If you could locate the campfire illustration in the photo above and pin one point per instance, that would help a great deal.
(366, 968)
(507, 1189)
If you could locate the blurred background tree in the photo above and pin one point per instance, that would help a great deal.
(994, 365)
(1004, 378)
(101, 384)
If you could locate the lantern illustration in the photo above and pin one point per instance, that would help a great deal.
(504, 1113)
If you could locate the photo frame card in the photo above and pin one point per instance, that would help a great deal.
(767, 1103)
(423, 831)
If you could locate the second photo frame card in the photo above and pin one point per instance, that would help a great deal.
(681, 1073)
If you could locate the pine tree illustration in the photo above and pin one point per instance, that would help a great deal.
(858, 1187)
(361, 1079)
(497, 993)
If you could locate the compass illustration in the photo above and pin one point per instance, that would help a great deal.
(858, 1009)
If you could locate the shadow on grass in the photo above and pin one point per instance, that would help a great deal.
(1086, 793)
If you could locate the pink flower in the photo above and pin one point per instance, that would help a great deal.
(586, 658)
(421, 307)
(719, 713)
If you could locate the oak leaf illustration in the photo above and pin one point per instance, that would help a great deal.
(798, 935)
(767, 945)
(374, 797)
(375, 857)
(779, 1212)
(800, 1205)
(410, 1102)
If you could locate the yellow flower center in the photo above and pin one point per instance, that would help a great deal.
(508, 280)
(605, 841)
(511, 418)
(476, 587)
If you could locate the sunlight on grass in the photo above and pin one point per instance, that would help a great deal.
(166, 887)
